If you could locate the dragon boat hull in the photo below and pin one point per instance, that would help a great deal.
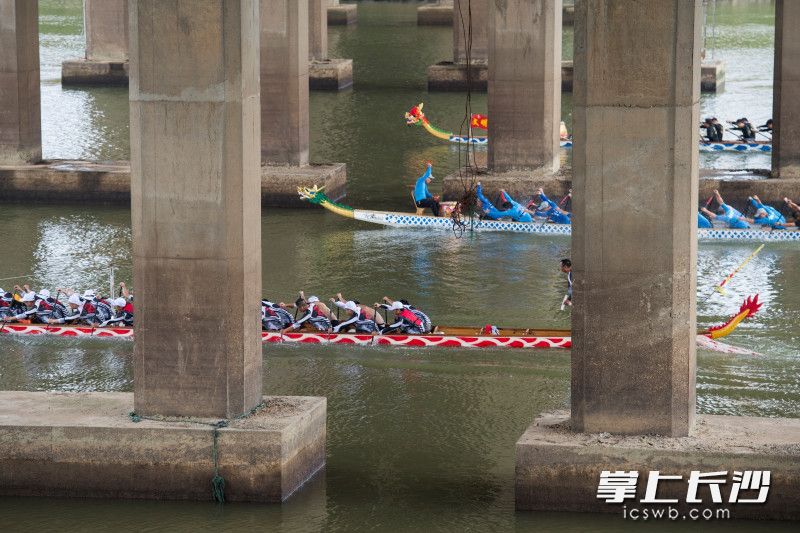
(541, 340)
(411, 220)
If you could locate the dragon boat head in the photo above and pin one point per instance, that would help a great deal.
(314, 194)
(415, 116)
(750, 307)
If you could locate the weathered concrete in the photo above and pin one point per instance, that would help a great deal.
(633, 319)
(86, 72)
(196, 218)
(330, 74)
(558, 469)
(20, 98)
(106, 26)
(85, 445)
(284, 82)
(85, 182)
(449, 76)
(786, 91)
(318, 29)
(524, 85)
(342, 14)
(438, 14)
(479, 51)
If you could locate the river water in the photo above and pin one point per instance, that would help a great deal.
(417, 440)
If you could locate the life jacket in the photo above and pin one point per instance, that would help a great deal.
(103, 310)
(411, 318)
(270, 321)
(427, 325)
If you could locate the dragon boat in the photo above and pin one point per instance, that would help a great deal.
(442, 336)
(316, 195)
(416, 117)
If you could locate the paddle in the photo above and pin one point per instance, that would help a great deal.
(720, 288)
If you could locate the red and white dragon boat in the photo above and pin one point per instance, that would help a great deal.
(442, 336)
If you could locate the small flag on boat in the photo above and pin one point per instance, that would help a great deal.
(479, 121)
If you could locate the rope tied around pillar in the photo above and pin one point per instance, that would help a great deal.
(217, 480)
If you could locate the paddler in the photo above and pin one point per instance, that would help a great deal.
(427, 324)
(766, 215)
(518, 211)
(422, 195)
(488, 210)
(405, 320)
(122, 313)
(357, 319)
(726, 214)
(314, 314)
(74, 308)
(703, 222)
(795, 210)
(766, 128)
(6, 301)
(566, 267)
(369, 312)
(37, 307)
(713, 134)
(743, 125)
(275, 317)
(550, 210)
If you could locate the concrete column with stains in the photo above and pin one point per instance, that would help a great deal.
(524, 85)
(196, 214)
(634, 229)
(479, 10)
(106, 27)
(786, 91)
(20, 96)
(284, 82)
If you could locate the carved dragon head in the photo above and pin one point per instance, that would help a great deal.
(314, 194)
(415, 116)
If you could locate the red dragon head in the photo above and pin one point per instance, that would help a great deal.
(415, 115)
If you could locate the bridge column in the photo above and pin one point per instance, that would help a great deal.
(20, 100)
(194, 96)
(480, 30)
(786, 96)
(634, 231)
(106, 26)
(324, 73)
(524, 85)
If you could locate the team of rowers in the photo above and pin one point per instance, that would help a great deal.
(765, 215)
(312, 314)
(26, 306)
(545, 210)
(714, 130)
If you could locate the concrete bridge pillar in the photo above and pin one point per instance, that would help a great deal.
(284, 82)
(786, 97)
(106, 26)
(524, 85)
(20, 99)
(634, 237)
(318, 29)
(194, 118)
(480, 30)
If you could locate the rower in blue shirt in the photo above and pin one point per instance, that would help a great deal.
(422, 195)
(518, 211)
(726, 214)
(767, 215)
(703, 222)
(550, 210)
(488, 209)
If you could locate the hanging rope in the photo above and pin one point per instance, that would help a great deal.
(468, 169)
(217, 481)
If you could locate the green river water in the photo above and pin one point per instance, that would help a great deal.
(418, 440)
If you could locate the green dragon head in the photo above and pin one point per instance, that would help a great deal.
(312, 194)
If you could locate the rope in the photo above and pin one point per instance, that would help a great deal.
(24, 276)
(217, 481)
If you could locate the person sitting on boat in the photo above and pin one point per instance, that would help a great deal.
(422, 195)
(39, 307)
(518, 211)
(550, 210)
(766, 127)
(766, 215)
(703, 222)
(726, 214)
(743, 125)
(122, 313)
(427, 324)
(795, 210)
(405, 320)
(274, 317)
(369, 312)
(488, 210)
(357, 319)
(314, 314)
(6, 304)
(73, 309)
(713, 134)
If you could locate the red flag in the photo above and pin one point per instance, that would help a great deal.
(479, 121)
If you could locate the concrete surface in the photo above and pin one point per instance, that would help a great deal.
(480, 30)
(435, 15)
(342, 14)
(318, 29)
(524, 85)
(20, 97)
(284, 82)
(106, 27)
(558, 469)
(450, 76)
(196, 216)
(633, 316)
(86, 182)
(330, 74)
(91, 72)
(786, 91)
(82, 445)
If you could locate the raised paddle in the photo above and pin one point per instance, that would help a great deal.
(720, 288)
